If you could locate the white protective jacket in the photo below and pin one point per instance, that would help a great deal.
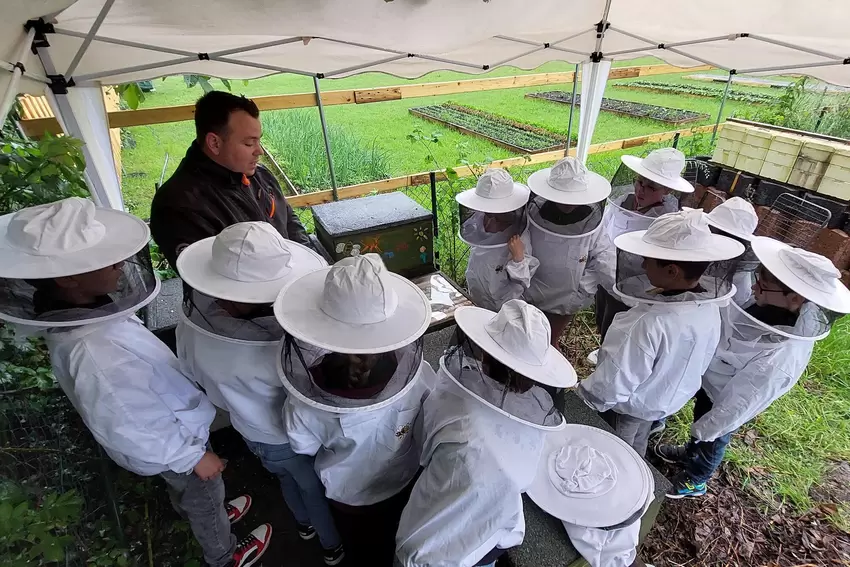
(571, 265)
(363, 457)
(237, 368)
(755, 364)
(654, 356)
(492, 276)
(477, 463)
(128, 388)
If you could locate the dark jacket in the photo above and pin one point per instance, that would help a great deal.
(202, 198)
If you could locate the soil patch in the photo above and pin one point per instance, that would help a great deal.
(729, 527)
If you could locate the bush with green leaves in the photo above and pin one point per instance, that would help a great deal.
(800, 108)
(295, 139)
(33, 172)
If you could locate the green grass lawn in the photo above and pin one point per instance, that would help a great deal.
(389, 123)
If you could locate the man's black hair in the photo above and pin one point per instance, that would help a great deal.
(212, 111)
(691, 270)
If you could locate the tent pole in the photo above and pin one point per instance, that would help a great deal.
(12, 88)
(722, 104)
(572, 110)
(325, 135)
(89, 37)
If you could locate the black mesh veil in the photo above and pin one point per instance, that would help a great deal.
(46, 303)
(246, 322)
(567, 220)
(499, 387)
(347, 383)
(478, 228)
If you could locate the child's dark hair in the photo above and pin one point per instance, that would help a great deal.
(213, 110)
(691, 270)
(45, 296)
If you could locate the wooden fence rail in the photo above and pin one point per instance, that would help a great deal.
(161, 115)
(396, 183)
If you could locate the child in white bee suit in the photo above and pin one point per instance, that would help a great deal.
(493, 223)
(652, 360)
(228, 341)
(736, 218)
(764, 349)
(353, 369)
(77, 274)
(565, 222)
(484, 428)
(600, 488)
(646, 190)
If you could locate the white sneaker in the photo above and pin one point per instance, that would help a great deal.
(593, 357)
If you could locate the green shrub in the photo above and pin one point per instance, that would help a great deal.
(295, 139)
(803, 109)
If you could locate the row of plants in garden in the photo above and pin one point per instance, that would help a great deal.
(515, 136)
(699, 90)
(628, 108)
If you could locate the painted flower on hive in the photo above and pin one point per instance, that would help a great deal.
(421, 233)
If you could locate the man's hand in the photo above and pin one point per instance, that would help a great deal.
(517, 248)
(210, 466)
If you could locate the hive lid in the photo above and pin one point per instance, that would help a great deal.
(376, 212)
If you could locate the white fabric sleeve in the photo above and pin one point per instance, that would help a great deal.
(601, 265)
(606, 548)
(301, 435)
(750, 391)
(626, 360)
(144, 427)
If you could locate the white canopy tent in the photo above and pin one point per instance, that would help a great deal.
(72, 48)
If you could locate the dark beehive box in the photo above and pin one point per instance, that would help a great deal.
(392, 225)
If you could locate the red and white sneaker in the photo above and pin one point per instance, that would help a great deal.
(237, 508)
(251, 548)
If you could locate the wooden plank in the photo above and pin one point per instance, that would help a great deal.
(364, 96)
(37, 127)
(164, 115)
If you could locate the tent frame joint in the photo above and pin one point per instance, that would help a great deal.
(203, 56)
(59, 84)
(596, 56)
(20, 66)
(42, 28)
(602, 27)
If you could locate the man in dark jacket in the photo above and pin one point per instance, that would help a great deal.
(220, 182)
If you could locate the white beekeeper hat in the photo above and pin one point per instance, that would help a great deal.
(569, 182)
(736, 217)
(518, 336)
(248, 262)
(495, 192)
(355, 306)
(682, 236)
(663, 166)
(590, 477)
(811, 275)
(67, 238)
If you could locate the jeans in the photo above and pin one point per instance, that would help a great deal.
(302, 490)
(704, 457)
(202, 503)
(632, 430)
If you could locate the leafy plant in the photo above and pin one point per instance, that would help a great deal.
(295, 138)
(33, 172)
(637, 109)
(700, 90)
(498, 129)
(35, 532)
(161, 266)
(802, 109)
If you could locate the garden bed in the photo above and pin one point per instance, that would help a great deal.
(624, 107)
(698, 90)
(515, 136)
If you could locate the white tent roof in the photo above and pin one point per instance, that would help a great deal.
(407, 38)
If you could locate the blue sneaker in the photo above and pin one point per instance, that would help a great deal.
(684, 487)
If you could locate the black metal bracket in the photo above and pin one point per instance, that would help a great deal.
(320, 75)
(42, 28)
(661, 46)
(744, 35)
(485, 67)
(20, 66)
(203, 56)
(733, 71)
(846, 61)
(59, 84)
(596, 56)
(602, 26)
(546, 45)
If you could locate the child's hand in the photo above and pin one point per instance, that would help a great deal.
(210, 466)
(517, 248)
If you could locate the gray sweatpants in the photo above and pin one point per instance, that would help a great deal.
(201, 502)
(630, 429)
